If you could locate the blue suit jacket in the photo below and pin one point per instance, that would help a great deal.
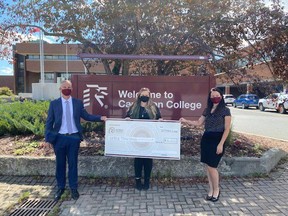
(54, 118)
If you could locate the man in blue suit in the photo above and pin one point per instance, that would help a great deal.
(64, 132)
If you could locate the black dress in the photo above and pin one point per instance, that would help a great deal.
(214, 128)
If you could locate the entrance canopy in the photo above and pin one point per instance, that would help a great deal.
(150, 57)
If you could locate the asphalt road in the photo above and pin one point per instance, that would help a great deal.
(253, 121)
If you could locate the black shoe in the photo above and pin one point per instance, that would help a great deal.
(74, 194)
(146, 185)
(208, 197)
(138, 185)
(215, 199)
(58, 194)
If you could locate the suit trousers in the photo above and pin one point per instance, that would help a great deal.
(66, 149)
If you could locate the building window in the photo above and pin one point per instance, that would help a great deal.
(49, 76)
(21, 65)
(73, 58)
(48, 57)
(33, 57)
(64, 75)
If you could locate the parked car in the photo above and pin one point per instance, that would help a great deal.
(246, 101)
(269, 102)
(282, 103)
(228, 99)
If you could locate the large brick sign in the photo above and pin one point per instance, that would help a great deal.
(176, 96)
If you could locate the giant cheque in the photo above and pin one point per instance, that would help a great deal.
(142, 138)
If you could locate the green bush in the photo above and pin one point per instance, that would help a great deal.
(29, 117)
(24, 118)
(6, 91)
(92, 126)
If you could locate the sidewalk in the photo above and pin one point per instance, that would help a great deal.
(265, 196)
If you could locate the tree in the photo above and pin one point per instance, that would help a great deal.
(178, 27)
(264, 32)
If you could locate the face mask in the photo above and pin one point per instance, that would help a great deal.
(66, 92)
(144, 98)
(215, 100)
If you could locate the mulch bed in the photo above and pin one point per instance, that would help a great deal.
(93, 144)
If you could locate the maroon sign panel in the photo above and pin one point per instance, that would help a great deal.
(176, 96)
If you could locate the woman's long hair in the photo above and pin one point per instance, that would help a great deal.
(221, 104)
(150, 108)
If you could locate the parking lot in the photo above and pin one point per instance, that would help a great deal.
(253, 121)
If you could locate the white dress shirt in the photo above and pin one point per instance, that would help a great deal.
(64, 129)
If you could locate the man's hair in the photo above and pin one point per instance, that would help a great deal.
(66, 81)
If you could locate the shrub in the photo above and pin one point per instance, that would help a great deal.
(6, 91)
(23, 118)
(92, 126)
(29, 117)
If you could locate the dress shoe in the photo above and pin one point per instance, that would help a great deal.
(208, 197)
(146, 184)
(215, 199)
(138, 184)
(58, 194)
(74, 194)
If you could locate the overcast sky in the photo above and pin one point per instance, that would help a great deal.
(6, 68)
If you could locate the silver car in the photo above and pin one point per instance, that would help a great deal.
(228, 99)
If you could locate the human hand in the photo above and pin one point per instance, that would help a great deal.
(219, 149)
(103, 118)
(183, 120)
(47, 147)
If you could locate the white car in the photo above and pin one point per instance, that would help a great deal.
(228, 99)
(269, 102)
(276, 101)
(282, 103)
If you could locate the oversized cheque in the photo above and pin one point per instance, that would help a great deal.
(142, 138)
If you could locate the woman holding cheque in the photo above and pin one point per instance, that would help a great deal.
(217, 119)
(143, 108)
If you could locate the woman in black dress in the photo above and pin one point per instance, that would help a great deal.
(143, 108)
(217, 119)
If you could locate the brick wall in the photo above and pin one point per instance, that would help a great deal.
(8, 81)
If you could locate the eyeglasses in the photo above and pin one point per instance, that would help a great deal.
(213, 89)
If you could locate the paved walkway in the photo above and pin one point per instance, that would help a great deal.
(264, 196)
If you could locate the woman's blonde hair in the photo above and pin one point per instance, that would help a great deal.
(150, 108)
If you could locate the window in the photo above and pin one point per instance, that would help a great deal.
(21, 65)
(49, 76)
(33, 57)
(73, 58)
(48, 57)
(64, 75)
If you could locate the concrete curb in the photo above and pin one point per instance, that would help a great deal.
(100, 166)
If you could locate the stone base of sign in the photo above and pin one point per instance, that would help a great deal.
(100, 166)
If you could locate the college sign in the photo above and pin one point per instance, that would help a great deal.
(176, 96)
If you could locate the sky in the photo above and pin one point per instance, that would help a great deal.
(6, 67)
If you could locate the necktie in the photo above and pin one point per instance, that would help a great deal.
(68, 117)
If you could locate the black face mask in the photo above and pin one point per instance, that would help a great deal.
(144, 98)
